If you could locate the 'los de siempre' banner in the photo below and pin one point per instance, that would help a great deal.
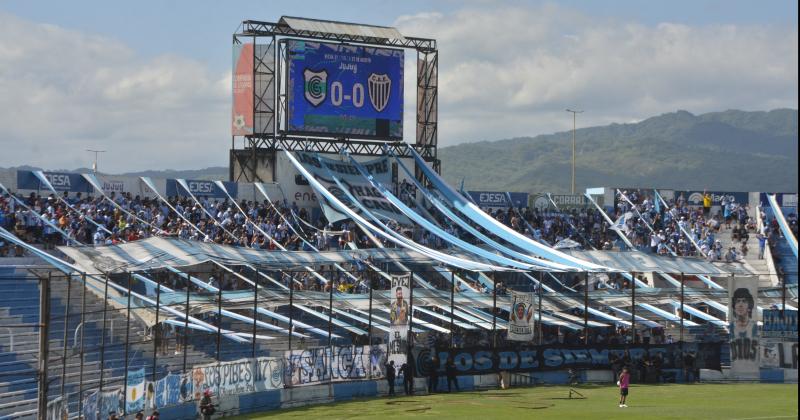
(480, 360)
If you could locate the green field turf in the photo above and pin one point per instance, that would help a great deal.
(701, 401)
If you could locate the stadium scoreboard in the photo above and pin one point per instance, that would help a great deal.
(344, 90)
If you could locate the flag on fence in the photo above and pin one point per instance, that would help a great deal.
(110, 401)
(135, 391)
(90, 406)
(57, 409)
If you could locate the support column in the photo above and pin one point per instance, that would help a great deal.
(185, 335)
(255, 313)
(127, 345)
(219, 316)
(330, 313)
(410, 336)
(541, 332)
(494, 311)
(158, 330)
(82, 326)
(452, 305)
(682, 297)
(103, 335)
(44, 342)
(586, 308)
(66, 337)
(633, 308)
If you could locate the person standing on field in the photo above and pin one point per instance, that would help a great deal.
(623, 382)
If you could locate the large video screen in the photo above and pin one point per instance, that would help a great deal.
(336, 89)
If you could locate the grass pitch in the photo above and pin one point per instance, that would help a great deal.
(699, 401)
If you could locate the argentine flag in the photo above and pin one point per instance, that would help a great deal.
(135, 391)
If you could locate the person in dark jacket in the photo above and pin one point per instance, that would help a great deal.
(408, 379)
(390, 376)
(433, 376)
(450, 369)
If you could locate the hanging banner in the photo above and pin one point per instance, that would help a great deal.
(399, 317)
(268, 373)
(135, 391)
(90, 405)
(57, 409)
(743, 292)
(480, 360)
(520, 320)
(778, 327)
(695, 198)
(226, 378)
(242, 122)
(334, 364)
(110, 401)
(563, 201)
(498, 199)
(186, 393)
(150, 395)
(61, 181)
(168, 390)
(202, 189)
(779, 355)
(351, 178)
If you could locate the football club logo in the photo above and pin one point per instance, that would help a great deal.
(380, 87)
(541, 202)
(316, 86)
(239, 122)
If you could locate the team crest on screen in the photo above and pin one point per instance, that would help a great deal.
(316, 86)
(380, 86)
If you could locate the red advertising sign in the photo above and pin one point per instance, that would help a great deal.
(242, 122)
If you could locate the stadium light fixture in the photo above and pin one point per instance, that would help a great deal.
(574, 113)
(96, 152)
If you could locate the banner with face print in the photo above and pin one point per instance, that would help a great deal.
(744, 334)
(399, 314)
(520, 319)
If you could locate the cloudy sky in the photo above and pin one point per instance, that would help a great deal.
(150, 81)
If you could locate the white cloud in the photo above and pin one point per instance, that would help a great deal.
(64, 91)
(508, 72)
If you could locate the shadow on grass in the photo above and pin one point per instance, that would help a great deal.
(535, 407)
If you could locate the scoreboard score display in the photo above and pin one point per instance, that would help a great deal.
(349, 90)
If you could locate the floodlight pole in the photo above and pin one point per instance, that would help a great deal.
(574, 114)
(96, 152)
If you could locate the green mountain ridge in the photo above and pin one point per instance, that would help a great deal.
(731, 150)
(724, 151)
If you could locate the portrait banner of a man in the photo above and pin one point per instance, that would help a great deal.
(399, 317)
(743, 327)
(520, 318)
